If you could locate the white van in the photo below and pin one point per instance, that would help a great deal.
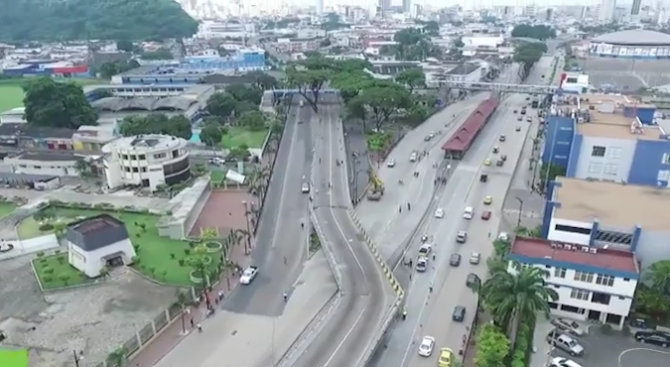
(302, 103)
(412, 157)
(469, 212)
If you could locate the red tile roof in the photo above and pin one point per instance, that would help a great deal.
(604, 259)
(468, 130)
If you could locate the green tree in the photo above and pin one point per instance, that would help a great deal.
(50, 103)
(160, 54)
(211, 135)
(512, 296)
(247, 93)
(431, 28)
(659, 276)
(109, 69)
(252, 120)
(527, 54)
(414, 44)
(416, 114)
(411, 78)
(221, 104)
(382, 100)
(309, 81)
(492, 347)
(24, 20)
(117, 358)
(263, 81)
(199, 259)
(125, 45)
(178, 126)
(241, 107)
(549, 172)
(540, 32)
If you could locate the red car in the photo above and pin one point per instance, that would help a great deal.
(486, 215)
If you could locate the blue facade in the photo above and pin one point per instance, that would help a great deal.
(645, 114)
(651, 165)
(573, 159)
(559, 137)
(549, 206)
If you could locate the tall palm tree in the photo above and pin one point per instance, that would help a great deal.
(512, 296)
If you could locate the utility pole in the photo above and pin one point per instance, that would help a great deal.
(77, 357)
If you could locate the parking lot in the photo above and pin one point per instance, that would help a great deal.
(602, 350)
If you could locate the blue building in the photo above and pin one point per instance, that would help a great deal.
(193, 68)
(606, 138)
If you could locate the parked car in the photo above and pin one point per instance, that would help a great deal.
(563, 362)
(390, 163)
(455, 260)
(569, 326)
(461, 236)
(662, 339)
(427, 346)
(486, 215)
(565, 342)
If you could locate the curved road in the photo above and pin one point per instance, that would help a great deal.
(367, 295)
(429, 313)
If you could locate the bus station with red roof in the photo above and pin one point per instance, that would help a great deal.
(460, 142)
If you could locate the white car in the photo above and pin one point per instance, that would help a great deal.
(412, 157)
(305, 188)
(439, 213)
(563, 362)
(425, 250)
(469, 212)
(475, 258)
(248, 275)
(390, 163)
(503, 236)
(427, 346)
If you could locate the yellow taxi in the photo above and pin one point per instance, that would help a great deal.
(446, 356)
(487, 162)
(488, 200)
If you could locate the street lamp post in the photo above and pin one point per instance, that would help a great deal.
(247, 246)
(518, 220)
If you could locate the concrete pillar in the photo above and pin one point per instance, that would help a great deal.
(637, 232)
(594, 231)
(623, 321)
(153, 327)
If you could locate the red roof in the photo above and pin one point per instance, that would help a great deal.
(604, 259)
(467, 132)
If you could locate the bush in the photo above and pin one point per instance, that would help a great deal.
(47, 279)
(39, 254)
(57, 252)
(46, 227)
(606, 328)
(48, 270)
(135, 260)
(181, 262)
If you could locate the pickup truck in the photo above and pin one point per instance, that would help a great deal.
(248, 275)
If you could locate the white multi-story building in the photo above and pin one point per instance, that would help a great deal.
(146, 160)
(592, 283)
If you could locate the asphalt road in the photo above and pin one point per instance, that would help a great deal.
(367, 295)
(429, 313)
(279, 233)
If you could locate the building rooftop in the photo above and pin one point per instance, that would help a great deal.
(150, 142)
(38, 132)
(550, 250)
(613, 204)
(634, 37)
(48, 157)
(96, 232)
(615, 125)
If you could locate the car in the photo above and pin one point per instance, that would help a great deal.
(529, 119)
(390, 163)
(446, 356)
(421, 264)
(425, 250)
(503, 236)
(427, 138)
(305, 188)
(568, 326)
(502, 138)
(503, 157)
(217, 161)
(487, 162)
(439, 213)
(519, 118)
(469, 212)
(515, 111)
(432, 134)
(488, 200)
(518, 128)
(412, 157)
(302, 103)
(472, 280)
(662, 339)
(495, 149)
(500, 162)
(563, 362)
(248, 275)
(455, 260)
(426, 347)
(523, 112)
(486, 215)
(424, 238)
(461, 236)
(475, 258)
(527, 98)
(564, 342)
(459, 313)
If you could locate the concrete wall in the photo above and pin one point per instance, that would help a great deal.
(651, 163)
(615, 165)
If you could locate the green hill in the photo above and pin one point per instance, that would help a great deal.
(53, 20)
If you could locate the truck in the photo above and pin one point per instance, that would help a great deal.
(376, 189)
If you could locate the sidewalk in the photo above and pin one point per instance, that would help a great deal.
(173, 334)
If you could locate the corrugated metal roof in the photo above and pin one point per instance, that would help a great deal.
(634, 37)
(466, 133)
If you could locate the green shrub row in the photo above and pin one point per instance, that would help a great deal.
(99, 206)
(524, 344)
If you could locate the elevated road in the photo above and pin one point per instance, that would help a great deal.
(429, 313)
(367, 296)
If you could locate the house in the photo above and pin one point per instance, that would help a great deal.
(98, 242)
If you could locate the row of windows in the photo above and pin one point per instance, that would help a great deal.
(143, 157)
(601, 279)
(600, 168)
(593, 297)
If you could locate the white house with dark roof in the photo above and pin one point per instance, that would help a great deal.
(98, 242)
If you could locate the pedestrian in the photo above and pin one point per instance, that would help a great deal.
(409, 206)
(192, 323)
(199, 328)
(434, 256)
(410, 263)
(285, 296)
(430, 287)
(404, 314)
(399, 209)
(220, 295)
(285, 260)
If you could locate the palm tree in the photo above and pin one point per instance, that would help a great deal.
(243, 235)
(513, 296)
(117, 358)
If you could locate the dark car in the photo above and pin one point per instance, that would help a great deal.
(455, 260)
(653, 337)
(459, 314)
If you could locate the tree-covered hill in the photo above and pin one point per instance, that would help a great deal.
(53, 20)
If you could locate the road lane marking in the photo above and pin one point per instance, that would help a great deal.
(639, 349)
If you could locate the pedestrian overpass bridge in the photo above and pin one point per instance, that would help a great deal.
(472, 86)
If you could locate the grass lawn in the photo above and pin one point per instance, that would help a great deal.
(6, 208)
(159, 256)
(14, 358)
(54, 271)
(237, 136)
(11, 92)
(217, 176)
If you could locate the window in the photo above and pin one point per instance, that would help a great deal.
(614, 152)
(611, 169)
(144, 169)
(598, 151)
(605, 280)
(142, 157)
(580, 294)
(666, 158)
(125, 157)
(571, 80)
(127, 169)
(601, 298)
(37, 167)
(595, 168)
(160, 156)
(133, 157)
(563, 228)
(584, 277)
(626, 280)
(663, 175)
(135, 170)
(559, 272)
